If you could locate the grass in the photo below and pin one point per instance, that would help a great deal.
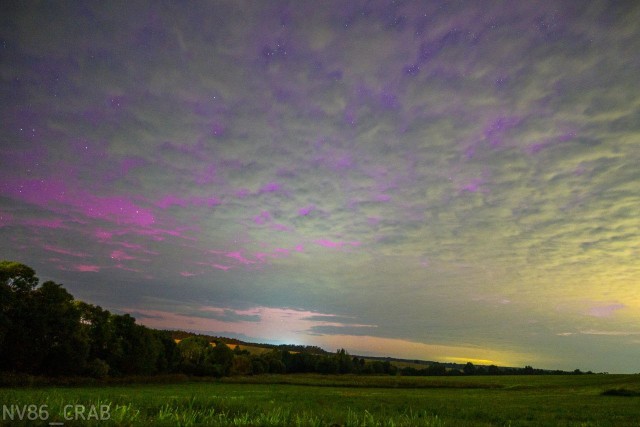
(315, 400)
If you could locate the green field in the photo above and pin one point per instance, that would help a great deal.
(315, 400)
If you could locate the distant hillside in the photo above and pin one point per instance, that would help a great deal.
(232, 342)
(407, 366)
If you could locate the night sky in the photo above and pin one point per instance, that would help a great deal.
(443, 180)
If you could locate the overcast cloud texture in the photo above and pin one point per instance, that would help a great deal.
(443, 180)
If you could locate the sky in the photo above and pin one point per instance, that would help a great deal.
(441, 180)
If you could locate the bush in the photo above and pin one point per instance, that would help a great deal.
(620, 392)
(97, 368)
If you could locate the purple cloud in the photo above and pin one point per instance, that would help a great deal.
(605, 310)
(495, 130)
(270, 187)
(44, 223)
(5, 219)
(170, 200)
(239, 258)
(306, 210)
(474, 186)
(549, 142)
(86, 268)
(121, 256)
(280, 227)
(335, 244)
(56, 196)
(65, 251)
(262, 218)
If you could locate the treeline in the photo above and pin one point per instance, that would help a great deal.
(201, 358)
(470, 369)
(45, 331)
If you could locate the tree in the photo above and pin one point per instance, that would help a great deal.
(469, 369)
(18, 277)
(259, 365)
(327, 365)
(357, 364)
(241, 365)
(388, 368)
(276, 364)
(194, 353)
(221, 357)
(43, 330)
(345, 365)
(377, 367)
(40, 325)
(169, 358)
(99, 329)
(199, 357)
(136, 349)
(436, 369)
(63, 347)
(493, 370)
(17, 281)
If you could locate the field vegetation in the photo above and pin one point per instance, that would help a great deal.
(351, 400)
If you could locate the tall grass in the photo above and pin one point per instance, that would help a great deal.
(515, 401)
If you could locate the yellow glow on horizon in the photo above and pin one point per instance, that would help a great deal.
(403, 349)
(474, 361)
(292, 324)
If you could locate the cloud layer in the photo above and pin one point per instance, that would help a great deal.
(460, 176)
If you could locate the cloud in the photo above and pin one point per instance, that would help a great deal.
(341, 330)
(600, 332)
(86, 268)
(605, 310)
(293, 324)
(64, 251)
(333, 244)
(405, 166)
(225, 315)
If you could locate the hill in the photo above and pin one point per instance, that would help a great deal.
(410, 367)
(253, 348)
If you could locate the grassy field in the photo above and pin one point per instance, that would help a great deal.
(314, 400)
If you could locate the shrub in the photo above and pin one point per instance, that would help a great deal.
(97, 368)
(620, 392)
